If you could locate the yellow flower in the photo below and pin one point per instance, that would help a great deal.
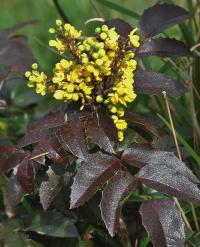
(101, 72)
(134, 39)
(58, 44)
(59, 94)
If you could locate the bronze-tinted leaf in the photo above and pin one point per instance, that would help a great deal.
(26, 174)
(140, 155)
(97, 134)
(50, 146)
(16, 55)
(169, 180)
(38, 130)
(163, 222)
(15, 191)
(72, 138)
(161, 16)
(49, 189)
(93, 173)
(121, 26)
(115, 192)
(163, 47)
(154, 83)
(5, 153)
(149, 124)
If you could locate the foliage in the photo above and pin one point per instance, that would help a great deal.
(67, 158)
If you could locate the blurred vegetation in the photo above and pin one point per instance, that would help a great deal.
(185, 110)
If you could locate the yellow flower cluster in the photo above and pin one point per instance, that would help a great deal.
(101, 71)
(122, 92)
(37, 79)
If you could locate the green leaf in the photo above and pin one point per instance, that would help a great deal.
(119, 8)
(54, 224)
(144, 242)
(9, 234)
(194, 241)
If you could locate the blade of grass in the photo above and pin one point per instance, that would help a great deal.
(119, 8)
(190, 150)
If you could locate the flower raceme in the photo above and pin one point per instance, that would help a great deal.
(99, 73)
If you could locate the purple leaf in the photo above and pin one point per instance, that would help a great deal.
(15, 191)
(115, 192)
(163, 47)
(26, 174)
(49, 189)
(161, 16)
(16, 55)
(170, 180)
(163, 222)
(96, 133)
(36, 132)
(121, 27)
(5, 153)
(140, 155)
(147, 123)
(72, 138)
(49, 144)
(154, 83)
(91, 176)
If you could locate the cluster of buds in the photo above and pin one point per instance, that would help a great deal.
(100, 73)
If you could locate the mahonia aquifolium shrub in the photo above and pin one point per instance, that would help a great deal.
(101, 71)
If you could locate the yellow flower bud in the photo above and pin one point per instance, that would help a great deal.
(101, 52)
(81, 47)
(105, 28)
(34, 66)
(103, 36)
(120, 112)
(95, 55)
(99, 99)
(121, 124)
(113, 109)
(70, 88)
(84, 60)
(27, 74)
(120, 136)
(59, 94)
(99, 62)
(52, 30)
(75, 97)
(98, 30)
(58, 22)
